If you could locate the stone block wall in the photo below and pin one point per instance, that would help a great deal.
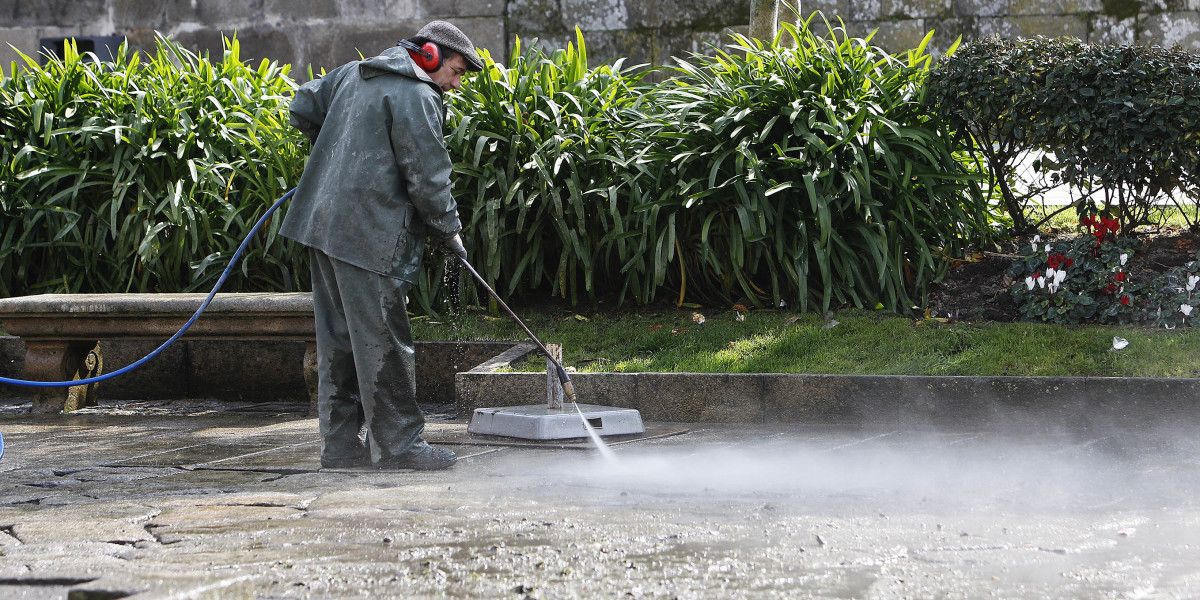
(326, 33)
(903, 22)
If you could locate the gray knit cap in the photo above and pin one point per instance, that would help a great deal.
(451, 38)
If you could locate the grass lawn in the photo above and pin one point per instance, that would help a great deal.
(861, 342)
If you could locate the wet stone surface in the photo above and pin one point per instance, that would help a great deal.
(201, 503)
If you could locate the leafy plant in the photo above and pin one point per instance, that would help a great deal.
(1175, 296)
(1119, 124)
(1124, 120)
(1080, 281)
(545, 154)
(805, 171)
(142, 174)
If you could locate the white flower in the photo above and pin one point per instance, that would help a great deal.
(1119, 343)
(1047, 248)
(1041, 282)
(1037, 238)
(1124, 257)
(1059, 276)
(1050, 273)
(1192, 281)
(1029, 282)
(1186, 309)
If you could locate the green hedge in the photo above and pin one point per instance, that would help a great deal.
(808, 173)
(1121, 122)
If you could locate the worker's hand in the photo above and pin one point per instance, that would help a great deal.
(454, 245)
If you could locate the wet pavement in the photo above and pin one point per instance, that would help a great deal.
(230, 501)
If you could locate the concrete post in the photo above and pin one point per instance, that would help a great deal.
(766, 15)
(554, 392)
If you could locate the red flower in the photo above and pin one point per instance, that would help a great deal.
(1125, 300)
(1112, 287)
(1109, 224)
(1057, 260)
(1037, 275)
(1120, 276)
(1087, 221)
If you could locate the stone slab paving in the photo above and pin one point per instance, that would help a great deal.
(206, 504)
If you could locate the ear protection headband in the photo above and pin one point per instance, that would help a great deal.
(428, 56)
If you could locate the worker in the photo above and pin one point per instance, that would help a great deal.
(375, 187)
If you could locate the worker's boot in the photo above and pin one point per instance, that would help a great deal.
(421, 457)
(358, 458)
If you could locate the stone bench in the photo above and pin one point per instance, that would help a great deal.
(62, 331)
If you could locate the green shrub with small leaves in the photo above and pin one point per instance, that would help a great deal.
(1174, 297)
(1119, 124)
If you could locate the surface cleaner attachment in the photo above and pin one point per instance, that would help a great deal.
(550, 421)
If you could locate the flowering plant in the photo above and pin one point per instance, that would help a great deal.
(1100, 226)
(1081, 280)
(1175, 296)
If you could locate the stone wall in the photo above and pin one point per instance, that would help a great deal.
(325, 33)
(328, 33)
(902, 23)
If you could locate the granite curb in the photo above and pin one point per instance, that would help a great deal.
(1029, 403)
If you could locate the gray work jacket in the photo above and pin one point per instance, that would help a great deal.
(378, 179)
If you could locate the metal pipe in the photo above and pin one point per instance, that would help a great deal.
(563, 378)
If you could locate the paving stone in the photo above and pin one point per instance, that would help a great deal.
(772, 507)
(25, 40)
(595, 15)
(61, 13)
(1053, 7)
(300, 10)
(1171, 29)
(135, 14)
(1109, 30)
(1051, 26)
(915, 9)
(528, 18)
(898, 36)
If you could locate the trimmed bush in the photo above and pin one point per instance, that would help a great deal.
(1121, 122)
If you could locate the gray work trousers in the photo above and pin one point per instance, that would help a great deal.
(365, 361)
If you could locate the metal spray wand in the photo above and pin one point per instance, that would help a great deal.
(567, 387)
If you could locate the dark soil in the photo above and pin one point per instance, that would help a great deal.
(977, 288)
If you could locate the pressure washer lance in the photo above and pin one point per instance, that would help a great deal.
(568, 388)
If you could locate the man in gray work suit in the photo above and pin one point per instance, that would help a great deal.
(376, 185)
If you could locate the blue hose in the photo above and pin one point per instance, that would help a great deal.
(203, 305)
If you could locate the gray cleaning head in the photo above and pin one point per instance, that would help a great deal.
(540, 422)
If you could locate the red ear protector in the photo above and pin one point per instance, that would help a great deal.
(427, 56)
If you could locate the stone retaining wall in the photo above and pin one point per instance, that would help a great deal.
(251, 370)
(326, 33)
(1027, 403)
